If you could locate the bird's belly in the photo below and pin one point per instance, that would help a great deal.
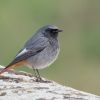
(43, 59)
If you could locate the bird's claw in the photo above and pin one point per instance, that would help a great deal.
(39, 79)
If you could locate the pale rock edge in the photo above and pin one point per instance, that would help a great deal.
(22, 86)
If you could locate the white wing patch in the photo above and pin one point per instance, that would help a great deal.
(22, 52)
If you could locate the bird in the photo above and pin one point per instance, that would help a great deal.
(39, 52)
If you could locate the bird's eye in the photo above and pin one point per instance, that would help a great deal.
(52, 30)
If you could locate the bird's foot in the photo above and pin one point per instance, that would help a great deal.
(39, 79)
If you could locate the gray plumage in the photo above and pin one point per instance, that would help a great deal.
(40, 50)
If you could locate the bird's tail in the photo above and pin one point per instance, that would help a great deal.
(6, 68)
(11, 66)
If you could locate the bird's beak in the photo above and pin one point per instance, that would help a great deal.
(60, 30)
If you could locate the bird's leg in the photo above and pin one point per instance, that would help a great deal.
(39, 79)
(37, 75)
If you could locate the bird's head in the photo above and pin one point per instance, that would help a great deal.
(50, 31)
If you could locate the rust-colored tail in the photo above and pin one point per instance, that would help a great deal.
(6, 69)
(10, 66)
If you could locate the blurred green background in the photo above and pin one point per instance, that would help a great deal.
(78, 65)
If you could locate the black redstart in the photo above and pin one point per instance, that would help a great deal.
(39, 51)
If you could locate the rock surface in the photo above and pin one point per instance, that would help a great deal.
(22, 86)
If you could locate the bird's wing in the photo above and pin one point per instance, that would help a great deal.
(26, 55)
(30, 50)
(21, 57)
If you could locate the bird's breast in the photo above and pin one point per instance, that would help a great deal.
(44, 58)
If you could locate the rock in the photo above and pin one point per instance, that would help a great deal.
(22, 86)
